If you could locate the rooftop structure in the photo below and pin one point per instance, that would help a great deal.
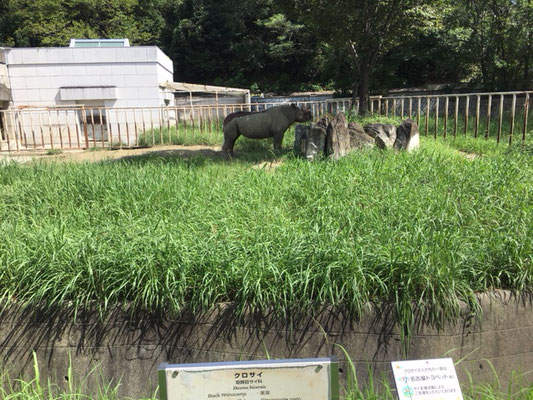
(99, 43)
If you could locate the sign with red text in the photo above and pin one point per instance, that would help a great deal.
(434, 379)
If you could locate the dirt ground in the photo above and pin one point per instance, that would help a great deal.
(213, 152)
(99, 155)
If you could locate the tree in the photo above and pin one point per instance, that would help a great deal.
(54, 23)
(365, 29)
(236, 43)
(499, 40)
(434, 52)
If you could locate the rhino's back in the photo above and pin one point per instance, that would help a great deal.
(263, 124)
(233, 115)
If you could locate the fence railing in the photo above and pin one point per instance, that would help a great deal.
(498, 115)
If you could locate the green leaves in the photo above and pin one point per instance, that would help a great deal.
(425, 231)
(53, 23)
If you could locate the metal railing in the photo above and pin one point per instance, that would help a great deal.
(496, 114)
(499, 115)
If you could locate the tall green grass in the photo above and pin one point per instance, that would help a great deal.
(205, 134)
(37, 388)
(424, 231)
(375, 387)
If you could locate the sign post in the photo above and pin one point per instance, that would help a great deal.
(426, 380)
(293, 379)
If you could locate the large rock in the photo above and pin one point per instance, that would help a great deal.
(358, 138)
(336, 138)
(309, 141)
(338, 142)
(383, 134)
(407, 136)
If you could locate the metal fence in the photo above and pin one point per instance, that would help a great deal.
(498, 115)
(501, 115)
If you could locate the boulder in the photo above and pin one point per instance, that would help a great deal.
(383, 134)
(309, 141)
(358, 138)
(338, 142)
(335, 138)
(407, 136)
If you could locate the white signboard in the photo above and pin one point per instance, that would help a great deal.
(426, 380)
(296, 379)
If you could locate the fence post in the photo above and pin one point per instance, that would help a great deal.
(524, 130)
(3, 128)
(446, 104)
(467, 107)
(500, 120)
(428, 101)
(489, 108)
(477, 116)
(436, 116)
(456, 117)
(6, 130)
(418, 112)
(511, 131)
(84, 122)
(41, 129)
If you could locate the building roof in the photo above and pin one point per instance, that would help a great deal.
(194, 87)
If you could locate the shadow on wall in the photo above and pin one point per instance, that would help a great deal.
(129, 346)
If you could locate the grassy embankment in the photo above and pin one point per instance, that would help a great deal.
(428, 230)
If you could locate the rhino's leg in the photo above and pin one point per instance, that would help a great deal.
(231, 134)
(277, 139)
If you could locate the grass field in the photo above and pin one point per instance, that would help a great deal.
(426, 230)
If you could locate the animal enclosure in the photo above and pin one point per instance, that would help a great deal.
(503, 116)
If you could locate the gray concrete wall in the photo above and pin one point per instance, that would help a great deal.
(130, 349)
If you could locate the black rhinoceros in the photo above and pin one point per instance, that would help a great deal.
(264, 124)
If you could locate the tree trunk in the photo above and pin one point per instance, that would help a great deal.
(364, 70)
(355, 92)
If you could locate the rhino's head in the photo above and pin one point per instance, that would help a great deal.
(303, 114)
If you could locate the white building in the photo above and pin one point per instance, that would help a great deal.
(80, 84)
(97, 76)
(98, 92)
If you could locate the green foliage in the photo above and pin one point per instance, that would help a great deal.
(53, 23)
(423, 231)
(375, 387)
(241, 42)
(292, 45)
(497, 40)
(39, 389)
